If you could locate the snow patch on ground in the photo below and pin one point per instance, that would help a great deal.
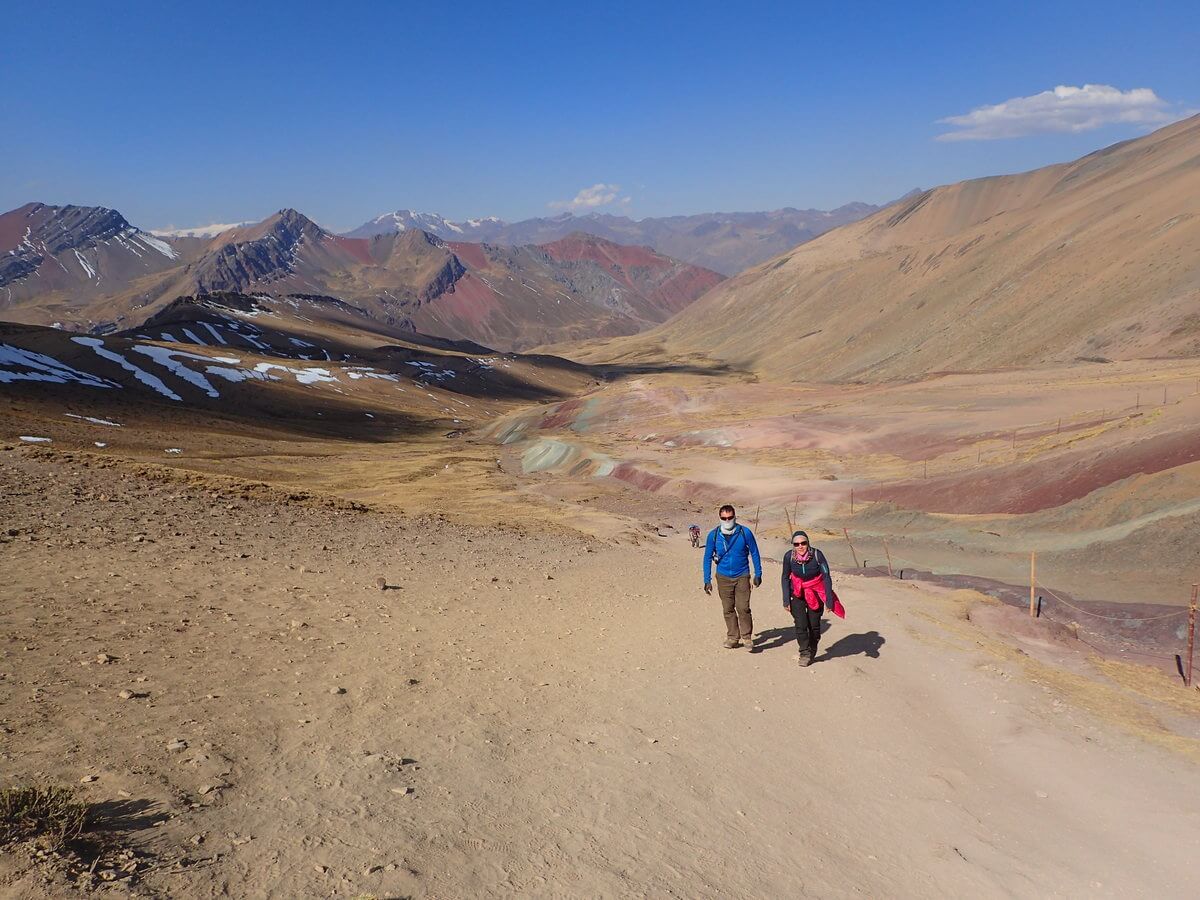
(156, 244)
(94, 421)
(151, 381)
(44, 368)
(216, 334)
(304, 376)
(91, 273)
(165, 357)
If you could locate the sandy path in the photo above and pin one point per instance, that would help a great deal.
(583, 735)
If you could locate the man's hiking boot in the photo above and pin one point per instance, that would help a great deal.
(805, 659)
(748, 643)
(731, 644)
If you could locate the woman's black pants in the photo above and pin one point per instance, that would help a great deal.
(808, 626)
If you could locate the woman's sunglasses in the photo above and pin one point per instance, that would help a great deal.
(799, 543)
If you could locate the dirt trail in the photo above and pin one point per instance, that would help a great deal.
(581, 734)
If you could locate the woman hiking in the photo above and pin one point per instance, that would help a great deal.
(807, 587)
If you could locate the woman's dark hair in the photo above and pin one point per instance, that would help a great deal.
(727, 508)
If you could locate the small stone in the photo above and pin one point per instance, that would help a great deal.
(126, 694)
(104, 659)
(296, 623)
(87, 779)
(207, 789)
(177, 745)
(381, 583)
(320, 869)
(404, 791)
(197, 839)
(549, 577)
(337, 690)
(371, 870)
(1042, 795)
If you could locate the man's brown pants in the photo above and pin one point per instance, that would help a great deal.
(735, 603)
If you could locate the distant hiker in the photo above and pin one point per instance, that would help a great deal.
(732, 547)
(694, 532)
(807, 587)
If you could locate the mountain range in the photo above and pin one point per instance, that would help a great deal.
(724, 242)
(1087, 260)
(88, 268)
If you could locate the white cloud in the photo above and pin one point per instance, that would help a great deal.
(593, 197)
(1065, 109)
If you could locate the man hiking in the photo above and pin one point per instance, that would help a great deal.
(732, 547)
(694, 534)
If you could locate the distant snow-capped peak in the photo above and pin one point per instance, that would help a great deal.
(200, 231)
(432, 223)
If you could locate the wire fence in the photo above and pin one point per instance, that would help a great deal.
(1012, 592)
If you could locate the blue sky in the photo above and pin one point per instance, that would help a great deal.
(189, 114)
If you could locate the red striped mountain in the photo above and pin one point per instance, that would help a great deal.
(59, 258)
(510, 297)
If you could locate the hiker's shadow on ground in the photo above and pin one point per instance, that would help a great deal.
(866, 644)
(781, 637)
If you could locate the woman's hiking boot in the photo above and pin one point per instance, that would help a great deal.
(805, 659)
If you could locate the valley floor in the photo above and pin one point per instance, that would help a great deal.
(531, 712)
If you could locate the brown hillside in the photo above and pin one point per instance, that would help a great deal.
(1093, 259)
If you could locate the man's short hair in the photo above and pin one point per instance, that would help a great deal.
(727, 508)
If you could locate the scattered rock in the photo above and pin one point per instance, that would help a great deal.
(87, 779)
(381, 583)
(177, 745)
(337, 690)
(320, 869)
(404, 791)
(104, 659)
(126, 694)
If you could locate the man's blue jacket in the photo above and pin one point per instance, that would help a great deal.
(730, 553)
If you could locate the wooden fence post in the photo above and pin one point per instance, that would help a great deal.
(1032, 584)
(852, 553)
(1187, 678)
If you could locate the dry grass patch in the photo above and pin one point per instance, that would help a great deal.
(49, 816)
